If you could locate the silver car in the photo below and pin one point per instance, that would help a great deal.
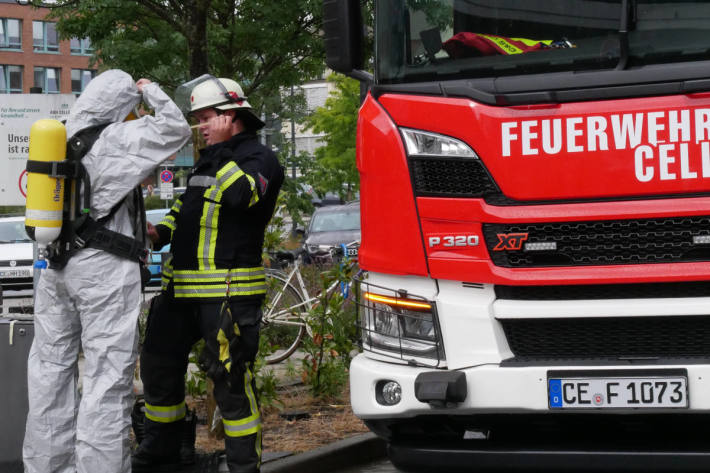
(16, 253)
(330, 227)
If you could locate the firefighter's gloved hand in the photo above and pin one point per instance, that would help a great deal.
(210, 364)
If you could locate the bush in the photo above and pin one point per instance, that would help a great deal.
(332, 322)
(155, 202)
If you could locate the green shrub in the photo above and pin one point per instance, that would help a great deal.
(334, 332)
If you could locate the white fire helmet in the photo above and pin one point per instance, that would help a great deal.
(222, 94)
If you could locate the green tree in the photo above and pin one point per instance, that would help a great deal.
(334, 168)
(263, 44)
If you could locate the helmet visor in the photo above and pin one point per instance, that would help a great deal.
(183, 93)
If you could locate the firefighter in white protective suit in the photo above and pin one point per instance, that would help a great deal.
(92, 302)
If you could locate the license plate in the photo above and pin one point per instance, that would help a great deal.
(628, 392)
(16, 273)
(351, 252)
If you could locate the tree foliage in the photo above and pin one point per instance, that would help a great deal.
(334, 168)
(262, 44)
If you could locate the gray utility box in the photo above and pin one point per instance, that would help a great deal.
(15, 341)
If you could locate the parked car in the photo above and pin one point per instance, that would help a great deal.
(331, 226)
(157, 257)
(16, 258)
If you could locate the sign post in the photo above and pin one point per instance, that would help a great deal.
(166, 185)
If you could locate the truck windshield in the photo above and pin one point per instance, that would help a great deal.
(433, 40)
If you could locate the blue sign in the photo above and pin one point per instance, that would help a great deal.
(166, 176)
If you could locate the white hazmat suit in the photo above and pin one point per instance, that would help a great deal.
(93, 303)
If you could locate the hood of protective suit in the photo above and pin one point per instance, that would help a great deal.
(109, 97)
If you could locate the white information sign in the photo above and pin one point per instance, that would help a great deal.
(17, 114)
(166, 190)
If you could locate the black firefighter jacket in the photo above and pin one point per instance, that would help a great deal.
(216, 228)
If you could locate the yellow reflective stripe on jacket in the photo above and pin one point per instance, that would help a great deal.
(213, 193)
(166, 273)
(168, 221)
(208, 235)
(228, 175)
(213, 283)
(165, 414)
(219, 290)
(215, 275)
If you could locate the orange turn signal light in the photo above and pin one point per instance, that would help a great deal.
(397, 302)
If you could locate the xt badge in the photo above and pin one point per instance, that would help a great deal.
(510, 241)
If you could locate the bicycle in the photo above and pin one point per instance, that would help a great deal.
(288, 302)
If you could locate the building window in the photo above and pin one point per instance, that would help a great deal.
(10, 79)
(44, 37)
(81, 46)
(79, 79)
(10, 33)
(48, 79)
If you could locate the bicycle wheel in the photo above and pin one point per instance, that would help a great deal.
(282, 325)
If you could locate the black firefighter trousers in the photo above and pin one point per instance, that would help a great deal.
(231, 334)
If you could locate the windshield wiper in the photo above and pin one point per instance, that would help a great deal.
(628, 20)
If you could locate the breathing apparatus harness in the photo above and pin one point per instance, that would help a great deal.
(79, 230)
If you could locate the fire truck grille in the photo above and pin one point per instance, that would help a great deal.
(611, 242)
(446, 177)
(605, 291)
(609, 338)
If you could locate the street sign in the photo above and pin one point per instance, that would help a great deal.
(166, 176)
(166, 190)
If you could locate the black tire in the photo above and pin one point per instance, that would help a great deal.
(283, 338)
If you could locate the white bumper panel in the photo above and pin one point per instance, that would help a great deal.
(491, 389)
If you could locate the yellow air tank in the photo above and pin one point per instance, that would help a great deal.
(45, 194)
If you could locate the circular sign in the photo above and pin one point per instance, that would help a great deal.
(23, 183)
(166, 176)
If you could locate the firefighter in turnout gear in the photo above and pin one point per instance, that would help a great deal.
(214, 286)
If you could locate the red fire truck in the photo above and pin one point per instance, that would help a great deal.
(535, 201)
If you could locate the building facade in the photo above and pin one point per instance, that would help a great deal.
(306, 141)
(32, 57)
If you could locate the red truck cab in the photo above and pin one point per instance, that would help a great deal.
(535, 214)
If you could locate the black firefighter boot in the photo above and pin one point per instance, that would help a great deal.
(160, 449)
(189, 434)
(243, 453)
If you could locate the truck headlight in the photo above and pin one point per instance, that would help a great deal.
(425, 143)
(403, 325)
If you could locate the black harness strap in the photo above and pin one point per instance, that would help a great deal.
(93, 234)
(58, 169)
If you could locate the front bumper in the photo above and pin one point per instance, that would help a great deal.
(504, 424)
(494, 389)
